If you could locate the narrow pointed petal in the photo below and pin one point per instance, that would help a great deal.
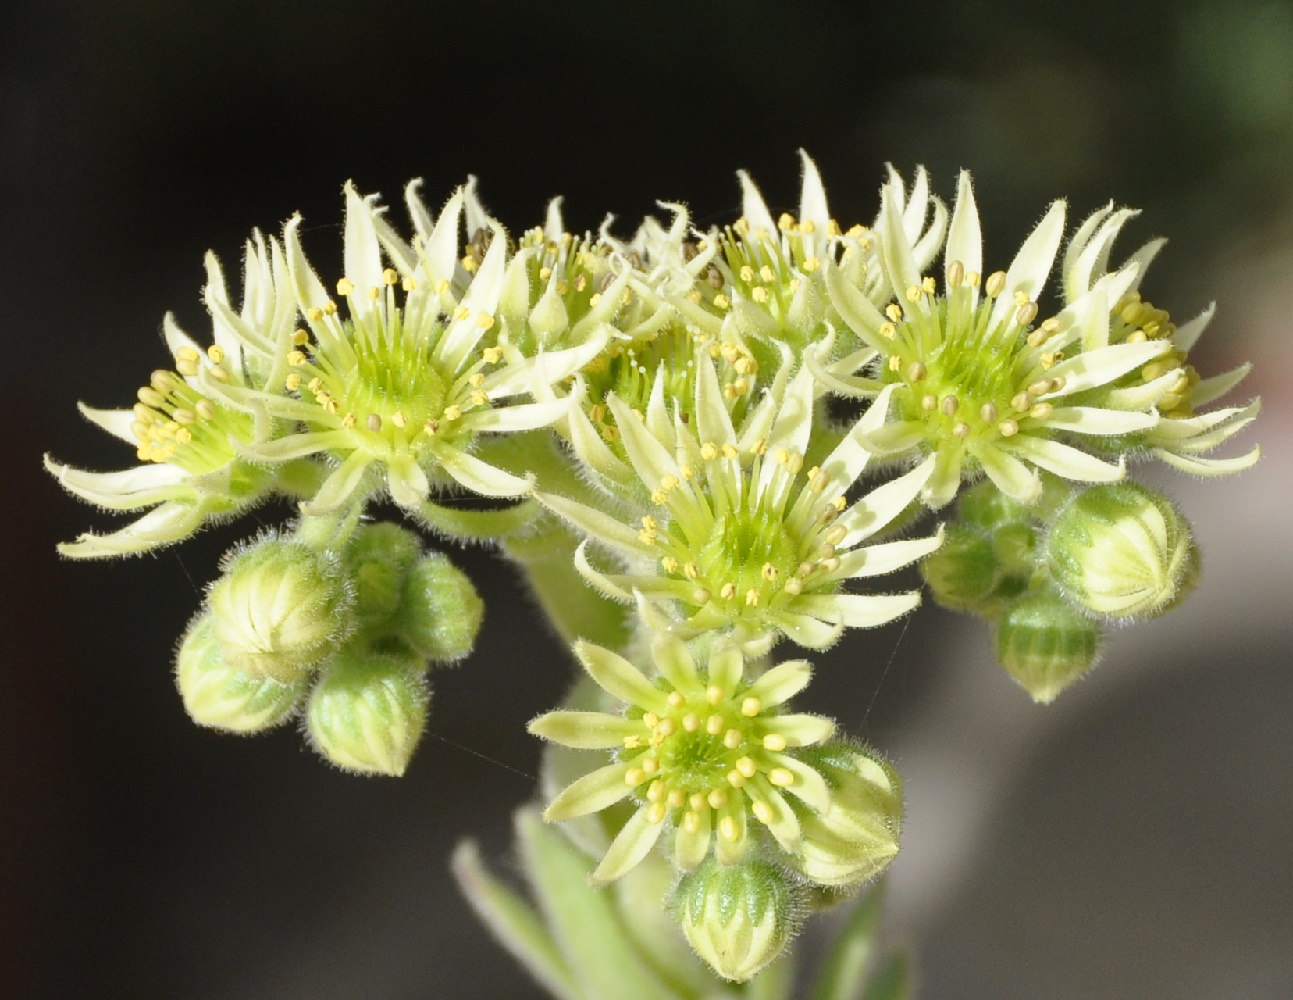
(585, 730)
(805, 630)
(895, 249)
(754, 208)
(802, 729)
(441, 241)
(1188, 334)
(690, 847)
(1011, 476)
(725, 666)
(161, 526)
(877, 560)
(1095, 420)
(115, 422)
(782, 682)
(407, 482)
(650, 458)
(780, 821)
(858, 311)
(631, 845)
(479, 477)
(596, 578)
(140, 486)
(812, 206)
(858, 610)
(597, 525)
(523, 417)
(964, 236)
(1093, 260)
(1215, 387)
(1032, 265)
(618, 677)
(1066, 461)
(675, 662)
(589, 794)
(875, 510)
(1088, 370)
(1203, 466)
(809, 785)
(340, 485)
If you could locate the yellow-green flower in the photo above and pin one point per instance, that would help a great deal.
(738, 535)
(398, 389)
(700, 751)
(187, 429)
(972, 377)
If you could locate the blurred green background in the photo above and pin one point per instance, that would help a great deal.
(1129, 841)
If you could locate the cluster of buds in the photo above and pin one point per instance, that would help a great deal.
(661, 417)
(342, 639)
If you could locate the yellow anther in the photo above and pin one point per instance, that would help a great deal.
(895, 363)
(929, 285)
(766, 274)
(1041, 411)
(746, 767)
(949, 405)
(632, 742)
(735, 778)
(839, 503)
(916, 371)
(730, 451)
(492, 355)
(1022, 402)
(893, 311)
(452, 412)
(747, 274)
(752, 598)
(690, 571)
(389, 276)
(914, 293)
(150, 396)
(793, 586)
(811, 264)
(374, 293)
(768, 572)
(650, 720)
(650, 764)
(345, 287)
(781, 777)
(442, 286)
(656, 791)
(996, 284)
(774, 742)
(807, 226)
(484, 321)
(206, 409)
(728, 829)
(759, 294)
(476, 380)
(292, 382)
(972, 278)
(888, 331)
(669, 564)
(1021, 297)
(750, 707)
(186, 366)
(216, 353)
(295, 358)
(721, 301)
(762, 812)
(470, 264)
(657, 812)
(634, 776)
(314, 313)
(373, 422)
(667, 727)
(676, 699)
(479, 398)
(961, 429)
(1040, 388)
(727, 591)
(988, 412)
(955, 274)
(409, 284)
(676, 799)
(714, 724)
(1026, 313)
(690, 822)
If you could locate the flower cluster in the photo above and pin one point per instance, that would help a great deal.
(697, 445)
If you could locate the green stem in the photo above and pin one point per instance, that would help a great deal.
(576, 610)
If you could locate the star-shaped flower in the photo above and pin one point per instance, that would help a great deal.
(699, 751)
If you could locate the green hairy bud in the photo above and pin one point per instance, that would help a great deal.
(379, 558)
(219, 696)
(738, 918)
(857, 836)
(279, 608)
(1122, 550)
(1045, 644)
(441, 612)
(963, 572)
(367, 712)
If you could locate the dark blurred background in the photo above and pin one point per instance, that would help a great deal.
(1129, 841)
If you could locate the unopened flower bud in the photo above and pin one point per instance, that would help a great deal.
(987, 507)
(738, 918)
(219, 696)
(1045, 644)
(962, 573)
(857, 836)
(379, 557)
(441, 611)
(1122, 550)
(549, 319)
(367, 712)
(279, 608)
